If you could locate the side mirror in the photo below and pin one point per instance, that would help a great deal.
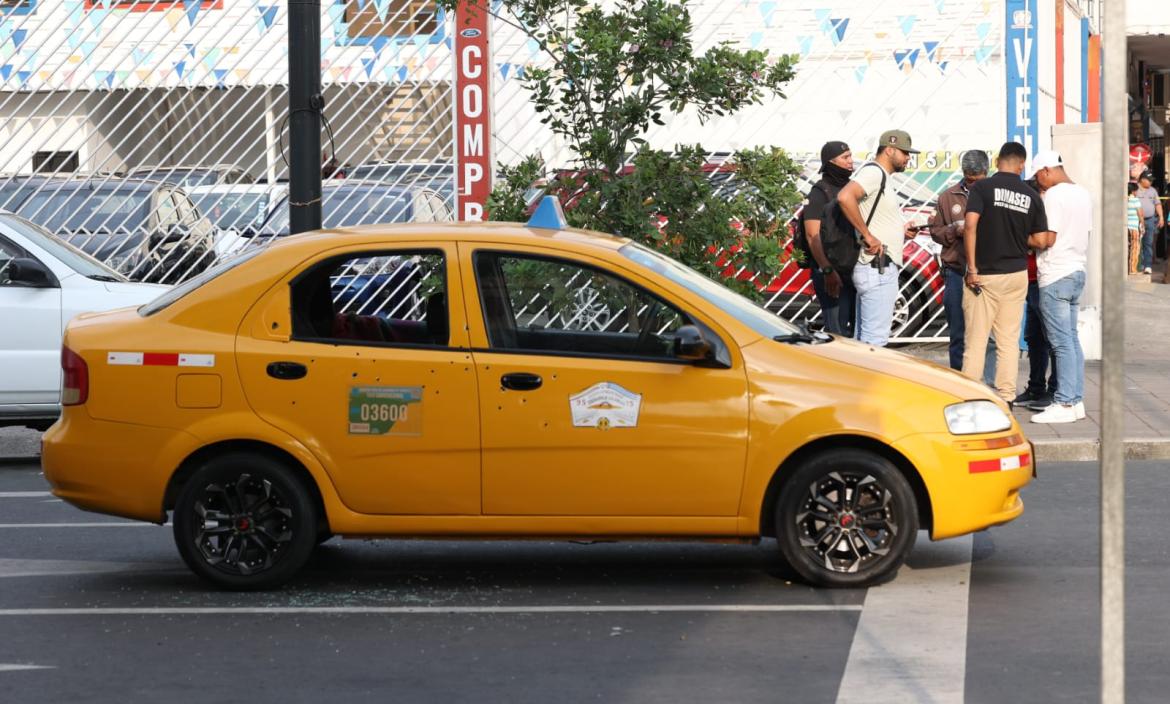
(689, 344)
(31, 273)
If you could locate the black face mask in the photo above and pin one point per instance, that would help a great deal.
(837, 175)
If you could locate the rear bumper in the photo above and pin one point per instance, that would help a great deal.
(109, 467)
(970, 489)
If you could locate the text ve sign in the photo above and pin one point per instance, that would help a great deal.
(1021, 68)
(473, 134)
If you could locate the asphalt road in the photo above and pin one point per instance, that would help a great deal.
(95, 609)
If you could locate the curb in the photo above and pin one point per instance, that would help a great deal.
(1086, 450)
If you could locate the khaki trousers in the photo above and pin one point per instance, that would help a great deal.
(999, 309)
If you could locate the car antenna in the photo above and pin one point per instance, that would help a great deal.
(549, 215)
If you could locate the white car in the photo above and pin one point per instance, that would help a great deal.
(236, 210)
(44, 282)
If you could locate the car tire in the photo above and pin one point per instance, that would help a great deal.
(866, 524)
(244, 522)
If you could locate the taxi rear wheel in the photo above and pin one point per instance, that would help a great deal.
(244, 521)
(846, 518)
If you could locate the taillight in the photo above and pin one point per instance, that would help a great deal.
(75, 380)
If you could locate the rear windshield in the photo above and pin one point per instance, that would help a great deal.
(90, 209)
(174, 294)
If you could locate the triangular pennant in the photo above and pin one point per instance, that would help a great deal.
(368, 66)
(382, 8)
(822, 15)
(87, 49)
(982, 30)
(940, 5)
(402, 73)
(756, 39)
(143, 74)
(192, 8)
(5, 71)
(942, 66)
(211, 58)
(839, 27)
(96, 16)
(767, 11)
(805, 45)
(45, 76)
(268, 14)
(983, 53)
(104, 77)
(220, 74)
(23, 77)
(139, 55)
(243, 73)
(533, 47)
(190, 50)
(18, 37)
(504, 68)
(379, 43)
(174, 17)
(931, 50)
(906, 22)
(180, 68)
(859, 73)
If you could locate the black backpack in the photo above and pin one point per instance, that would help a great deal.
(800, 249)
(838, 238)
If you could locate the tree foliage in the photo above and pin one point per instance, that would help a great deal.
(617, 68)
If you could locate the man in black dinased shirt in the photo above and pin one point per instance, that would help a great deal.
(1003, 215)
(835, 293)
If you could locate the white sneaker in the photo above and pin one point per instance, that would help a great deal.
(1079, 408)
(1146, 270)
(1057, 413)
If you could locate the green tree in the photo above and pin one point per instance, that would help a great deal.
(616, 69)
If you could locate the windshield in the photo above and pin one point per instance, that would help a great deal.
(66, 253)
(221, 267)
(750, 314)
(348, 207)
(233, 211)
(90, 209)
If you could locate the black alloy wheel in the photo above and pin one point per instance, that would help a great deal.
(244, 521)
(846, 518)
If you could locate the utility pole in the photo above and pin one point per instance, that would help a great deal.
(305, 104)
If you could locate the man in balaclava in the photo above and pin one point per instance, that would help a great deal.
(835, 293)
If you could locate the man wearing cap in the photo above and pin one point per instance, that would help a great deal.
(835, 293)
(1060, 268)
(871, 206)
(1005, 217)
(1154, 218)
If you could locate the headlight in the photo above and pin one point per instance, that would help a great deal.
(974, 417)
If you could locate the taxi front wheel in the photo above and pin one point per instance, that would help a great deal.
(846, 518)
(244, 521)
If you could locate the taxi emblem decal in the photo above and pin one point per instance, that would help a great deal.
(605, 405)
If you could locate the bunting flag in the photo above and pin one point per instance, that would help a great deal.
(403, 72)
(180, 68)
(45, 76)
(382, 8)
(756, 39)
(174, 17)
(191, 9)
(190, 50)
(368, 66)
(242, 74)
(906, 23)
(18, 37)
(939, 5)
(805, 46)
(533, 47)
(931, 51)
(139, 56)
(23, 77)
(122, 76)
(74, 58)
(768, 12)
(983, 53)
(859, 73)
(504, 68)
(104, 77)
(838, 27)
(143, 74)
(211, 58)
(5, 72)
(983, 30)
(76, 11)
(823, 19)
(379, 44)
(96, 16)
(943, 65)
(87, 50)
(906, 58)
(268, 15)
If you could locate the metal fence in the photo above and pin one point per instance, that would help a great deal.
(153, 133)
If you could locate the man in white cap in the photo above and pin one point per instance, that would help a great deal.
(1060, 268)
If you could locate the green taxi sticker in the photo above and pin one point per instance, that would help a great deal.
(385, 410)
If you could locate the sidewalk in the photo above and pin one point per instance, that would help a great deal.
(1147, 385)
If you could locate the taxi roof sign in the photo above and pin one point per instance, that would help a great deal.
(549, 215)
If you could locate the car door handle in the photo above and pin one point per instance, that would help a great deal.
(287, 370)
(521, 381)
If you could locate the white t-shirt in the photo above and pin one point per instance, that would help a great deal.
(1070, 215)
(887, 224)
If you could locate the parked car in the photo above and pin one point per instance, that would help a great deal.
(44, 282)
(350, 202)
(267, 419)
(148, 230)
(190, 176)
(234, 209)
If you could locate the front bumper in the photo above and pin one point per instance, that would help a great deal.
(974, 482)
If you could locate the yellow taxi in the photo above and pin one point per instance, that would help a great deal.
(506, 380)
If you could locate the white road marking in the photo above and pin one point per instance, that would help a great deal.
(106, 524)
(594, 609)
(10, 567)
(12, 667)
(911, 640)
(24, 494)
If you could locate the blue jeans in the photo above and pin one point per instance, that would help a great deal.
(1039, 351)
(957, 326)
(1147, 256)
(876, 294)
(1059, 302)
(836, 313)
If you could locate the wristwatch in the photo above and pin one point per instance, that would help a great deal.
(826, 270)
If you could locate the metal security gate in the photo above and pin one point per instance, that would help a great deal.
(153, 134)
